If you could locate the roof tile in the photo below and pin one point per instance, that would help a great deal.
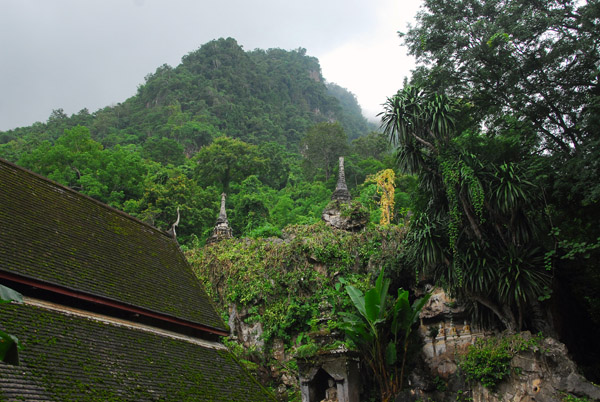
(72, 358)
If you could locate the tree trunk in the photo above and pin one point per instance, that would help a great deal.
(470, 217)
(505, 315)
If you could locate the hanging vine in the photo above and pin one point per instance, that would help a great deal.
(456, 174)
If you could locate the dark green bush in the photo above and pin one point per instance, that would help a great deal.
(488, 360)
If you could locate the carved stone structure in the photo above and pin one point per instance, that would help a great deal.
(442, 336)
(541, 373)
(341, 192)
(333, 376)
(352, 220)
(222, 229)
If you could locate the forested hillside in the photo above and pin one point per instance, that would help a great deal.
(223, 120)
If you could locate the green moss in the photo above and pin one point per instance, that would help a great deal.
(58, 236)
(93, 361)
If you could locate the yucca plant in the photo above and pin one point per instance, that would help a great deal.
(478, 229)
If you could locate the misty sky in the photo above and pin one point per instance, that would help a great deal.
(76, 54)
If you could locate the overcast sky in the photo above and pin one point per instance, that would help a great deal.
(76, 54)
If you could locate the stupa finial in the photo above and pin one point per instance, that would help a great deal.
(222, 213)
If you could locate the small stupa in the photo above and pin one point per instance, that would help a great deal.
(341, 192)
(353, 219)
(222, 229)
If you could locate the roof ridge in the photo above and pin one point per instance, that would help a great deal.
(100, 203)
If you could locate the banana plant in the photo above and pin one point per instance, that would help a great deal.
(9, 344)
(377, 328)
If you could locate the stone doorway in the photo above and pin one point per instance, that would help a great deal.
(319, 386)
(330, 377)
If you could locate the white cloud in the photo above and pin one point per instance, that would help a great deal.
(374, 67)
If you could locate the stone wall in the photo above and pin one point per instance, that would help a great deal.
(445, 332)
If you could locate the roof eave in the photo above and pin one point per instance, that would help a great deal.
(103, 301)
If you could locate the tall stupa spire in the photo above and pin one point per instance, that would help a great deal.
(341, 192)
(222, 229)
(342, 212)
(223, 213)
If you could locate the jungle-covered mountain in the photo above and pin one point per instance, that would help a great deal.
(255, 96)
(224, 119)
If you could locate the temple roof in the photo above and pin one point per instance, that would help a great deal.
(54, 238)
(68, 357)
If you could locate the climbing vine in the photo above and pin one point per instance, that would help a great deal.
(288, 285)
(457, 177)
(385, 181)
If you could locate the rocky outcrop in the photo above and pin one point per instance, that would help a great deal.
(350, 217)
(445, 332)
(541, 373)
(545, 373)
(247, 334)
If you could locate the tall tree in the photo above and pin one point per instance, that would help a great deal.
(322, 145)
(534, 59)
(530, 71)
(477, 232)
(227, 160)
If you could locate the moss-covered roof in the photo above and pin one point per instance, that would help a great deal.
(55, 235)
(67, 357)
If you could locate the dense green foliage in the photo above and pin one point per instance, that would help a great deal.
(478, 233)
(378, 327)
(294, 287)
(322, 145)
(508, 158)
(488, 360)
(285, 282)
(223, 120)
